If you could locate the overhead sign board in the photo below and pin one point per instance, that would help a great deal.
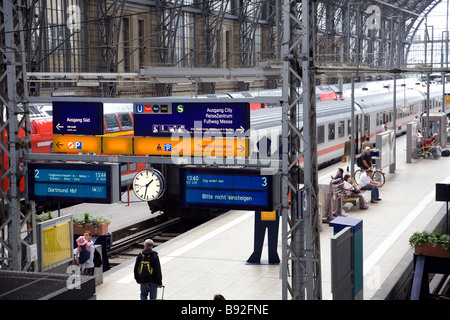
(237, 189)
(154, 146)
(74, 182)
(162, 120)
(77, 118)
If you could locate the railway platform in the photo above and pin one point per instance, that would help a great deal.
(211, 259)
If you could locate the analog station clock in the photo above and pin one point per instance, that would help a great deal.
(149, 184)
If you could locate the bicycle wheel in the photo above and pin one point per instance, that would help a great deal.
(357, 176)
(436, 154)
(416, 154)
(378, 176)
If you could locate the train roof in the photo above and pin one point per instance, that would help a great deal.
(271, 117)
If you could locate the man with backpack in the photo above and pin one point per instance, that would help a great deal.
(147, 271)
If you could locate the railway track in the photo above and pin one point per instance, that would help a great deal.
(128, 247)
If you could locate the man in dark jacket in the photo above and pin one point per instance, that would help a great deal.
(148, 274)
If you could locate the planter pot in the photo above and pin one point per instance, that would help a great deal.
(427, 249)
(89, 227)
(77, 229)
(102, 229)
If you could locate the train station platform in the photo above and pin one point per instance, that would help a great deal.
(211, 258)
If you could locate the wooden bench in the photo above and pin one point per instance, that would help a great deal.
(349, 201)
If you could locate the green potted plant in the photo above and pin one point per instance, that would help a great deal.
(78, 225)
(433, 244)
(83, 224)
(102, 225)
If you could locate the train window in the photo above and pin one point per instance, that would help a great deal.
(377, 119)
(112, 124)
(349, 126)
(125, 121)
(123, 167)
(341, 129)
(331, 131)
(321, 134)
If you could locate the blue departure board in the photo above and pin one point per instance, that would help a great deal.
(74, 182)
(226, 189)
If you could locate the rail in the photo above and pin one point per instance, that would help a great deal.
(129, 241)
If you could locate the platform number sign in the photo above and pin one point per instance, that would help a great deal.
(303, 203)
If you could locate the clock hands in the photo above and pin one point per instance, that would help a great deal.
(146, 187)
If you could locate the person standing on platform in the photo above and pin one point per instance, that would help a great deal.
(147, 271)
(85, 256)
(89, 267)
(367, 143)
(366, 183)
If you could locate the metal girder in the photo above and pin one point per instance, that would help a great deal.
(14, 140)
(213, 12)
(345, 33)
(168, 14)
(109, 25)
(300, 234)
(249, 16)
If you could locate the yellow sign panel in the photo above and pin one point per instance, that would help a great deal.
(75, 144)
(191, 147)
(268, 215)
(447, 98)
(118, 145)
(56, 244)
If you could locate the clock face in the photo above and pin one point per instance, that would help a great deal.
(148, 184)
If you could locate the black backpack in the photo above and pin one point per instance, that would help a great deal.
(145, 267)
(84, 254)
(446, 153)
(97, 259)
(359, 162)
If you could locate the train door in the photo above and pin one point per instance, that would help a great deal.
(358, 123)
(362, 128)
(366, 126)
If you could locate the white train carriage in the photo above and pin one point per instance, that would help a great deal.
(372, 112)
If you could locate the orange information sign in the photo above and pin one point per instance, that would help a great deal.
(191, 147)
(76, 144)
(118, 145)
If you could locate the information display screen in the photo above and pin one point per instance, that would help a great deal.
(163, 120)
(73, 182)
(226, 189)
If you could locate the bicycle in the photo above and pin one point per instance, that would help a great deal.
(377, 176)
(427, 152)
